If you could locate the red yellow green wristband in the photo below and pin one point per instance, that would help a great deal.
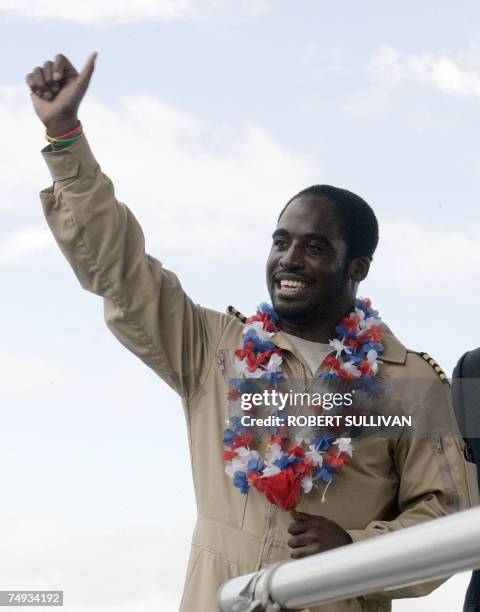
(66, 139)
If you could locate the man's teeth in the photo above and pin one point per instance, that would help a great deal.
(292, 284)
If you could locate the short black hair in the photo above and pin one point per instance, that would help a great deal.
(359, 223)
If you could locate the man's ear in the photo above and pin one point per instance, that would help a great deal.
(358, 268)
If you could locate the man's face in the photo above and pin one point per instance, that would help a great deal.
(306, 271)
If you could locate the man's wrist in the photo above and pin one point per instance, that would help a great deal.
(59, 127)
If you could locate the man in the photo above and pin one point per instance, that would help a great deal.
(322, 249)
(466, 401)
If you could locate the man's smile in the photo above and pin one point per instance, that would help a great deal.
(291, 285)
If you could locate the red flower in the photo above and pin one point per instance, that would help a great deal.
(228, 455)
(350, 323)
(296, 451)
(253, 477)
(264, 319)
(355, 343)
(283, 489)
(245, 351)
(365, 368)
(344, 375)
(242, 441)
(330, 360)
(254, 359)
(233, 394)
(336, 461)
(372, 334)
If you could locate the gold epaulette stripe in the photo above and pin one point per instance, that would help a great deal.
(237, 313)
(435, 366)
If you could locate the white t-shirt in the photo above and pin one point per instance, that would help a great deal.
(313, 352)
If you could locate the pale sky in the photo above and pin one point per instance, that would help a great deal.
(208, 115)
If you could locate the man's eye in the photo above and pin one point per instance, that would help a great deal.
(314, 247)
(279, 243)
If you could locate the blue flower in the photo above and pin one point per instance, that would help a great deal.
(271, 376)
(323, 443)
(342, 332)
(258, 345)
(376, 346)
(283, 462)
(324, 474)
(240, 481)
(369, 312)
(249, 386)
(328, 375)
(255, 465)
(267, 309)
(228, 436)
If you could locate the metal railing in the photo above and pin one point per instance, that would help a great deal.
(430, 551)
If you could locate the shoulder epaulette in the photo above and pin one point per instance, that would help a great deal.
(236, 313)
(431, 361)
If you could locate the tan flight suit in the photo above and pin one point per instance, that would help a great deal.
(389, 484)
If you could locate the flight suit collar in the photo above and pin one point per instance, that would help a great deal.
(394, 350)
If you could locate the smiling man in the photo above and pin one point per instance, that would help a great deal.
(322, 249)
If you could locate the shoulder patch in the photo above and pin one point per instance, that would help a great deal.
(236, 313)
(431, 361)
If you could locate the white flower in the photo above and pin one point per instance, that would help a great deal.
(237, 465)
(274, 363)
(360, 313)
(270, 469)
(314, 456)
(241, 367)
(307, 484)
(339, 346)
(372, 355)
(344, 445)
(235, 408)
(351, 368)
(372, 321)
(246, 453)
(274, 453)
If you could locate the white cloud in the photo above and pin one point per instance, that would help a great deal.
(136, 568)
(185, 178)
(24, 242)
(418, 260)
(20, 374)
(390, 69)
(210, 188)
(111, 12)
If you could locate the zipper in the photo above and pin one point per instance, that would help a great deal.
(267, 541)
(444, 468)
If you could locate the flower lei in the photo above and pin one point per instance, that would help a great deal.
(287, 470)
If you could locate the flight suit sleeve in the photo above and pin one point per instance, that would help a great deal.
(434, 478)
(144, 304)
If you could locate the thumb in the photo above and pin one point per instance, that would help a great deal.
(305, 516)
(87, 71)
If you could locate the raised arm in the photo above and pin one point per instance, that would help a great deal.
(145, 305)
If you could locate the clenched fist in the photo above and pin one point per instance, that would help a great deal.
(57, 90)
(312, 534)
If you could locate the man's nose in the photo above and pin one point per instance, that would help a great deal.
(292, 258)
